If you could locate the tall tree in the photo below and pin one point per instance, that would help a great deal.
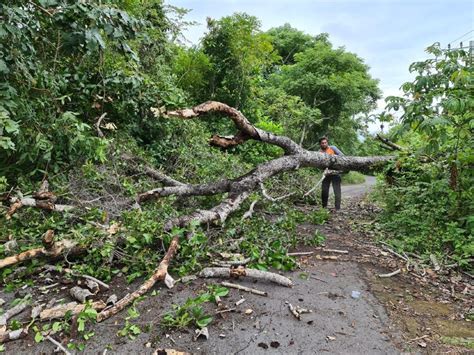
(238, 52)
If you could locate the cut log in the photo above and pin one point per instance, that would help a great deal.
(240, 271)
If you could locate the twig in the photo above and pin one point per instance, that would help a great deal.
(226, 310)
(244, 288)
(390, 274)
(385, 246)
(317, 184)
(273, 199)
(337, 251)
(293, 311)
(317, 278)
(62, 348)
(97, 125)
(232, 262)
(249, 213)
(239, 302)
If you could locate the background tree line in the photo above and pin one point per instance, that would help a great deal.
(64, 64)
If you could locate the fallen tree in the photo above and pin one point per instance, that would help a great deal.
(235, 191)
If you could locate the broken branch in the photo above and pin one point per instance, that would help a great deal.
(158, 275)
(240, 271)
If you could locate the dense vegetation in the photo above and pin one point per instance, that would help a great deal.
(66, 64)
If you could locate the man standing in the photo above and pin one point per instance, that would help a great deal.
(334, 178)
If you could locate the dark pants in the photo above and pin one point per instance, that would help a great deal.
(336, 186)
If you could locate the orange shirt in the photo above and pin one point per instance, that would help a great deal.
(328, 150)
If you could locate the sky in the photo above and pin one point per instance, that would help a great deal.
(388, 34)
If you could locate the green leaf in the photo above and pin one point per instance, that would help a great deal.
(39, 337)
(204, 321)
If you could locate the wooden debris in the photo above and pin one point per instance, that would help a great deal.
(225, 310)
(15, 205)
(20, 307)
(239, 302)
(244, 288)
(87, 277)
(158, 275)
(6, 336)
(240, 271)
(317, 184)
(231, 263)
(297, 311)
(92, 286)
(273, 199)
(48, 205)
(249, 213)
(337, 251)
(204, 332)
(169, 281)
(75, 308)
(56, 250)
(387, 248)
(390, 274)
(327, 257)
(80, 294)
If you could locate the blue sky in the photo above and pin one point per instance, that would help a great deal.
(388, 34)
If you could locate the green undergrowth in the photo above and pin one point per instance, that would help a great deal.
(422, 214)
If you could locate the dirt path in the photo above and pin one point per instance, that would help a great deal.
(370, 320)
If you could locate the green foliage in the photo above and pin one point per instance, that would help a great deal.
(289, 41)
(192, 310)
(428, 194)
(238, 53)
(421, 211)
(131, 330)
